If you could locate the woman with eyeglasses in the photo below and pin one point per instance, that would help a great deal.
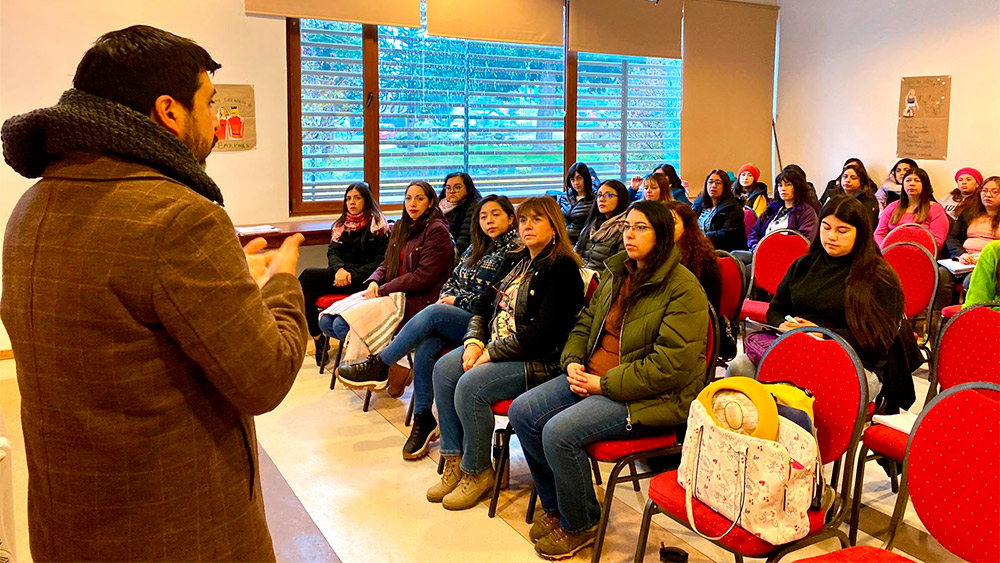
(975, 229)
(633, 363)
(357, 244)
(512, 344)
(720, 213)
(458, 198)
(601, 237)
(576, 199)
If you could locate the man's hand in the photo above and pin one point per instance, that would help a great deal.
(284, 260)
(257, 262)
(342, 278)
(372, 291)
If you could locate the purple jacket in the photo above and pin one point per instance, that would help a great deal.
(801, 218)
(428, 258)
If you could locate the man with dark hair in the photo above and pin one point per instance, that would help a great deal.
(145, 338)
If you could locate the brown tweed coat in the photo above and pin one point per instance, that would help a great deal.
(143, 350)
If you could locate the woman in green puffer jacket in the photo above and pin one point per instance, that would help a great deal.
(634, 362)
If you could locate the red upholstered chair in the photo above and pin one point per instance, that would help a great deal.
(950, 471)
(749, 219)
(966, 351)
(918, 274)
(624, 453)
(734, 291)
(322, 303)
(912, 232)
(771, 259)
(832, 371)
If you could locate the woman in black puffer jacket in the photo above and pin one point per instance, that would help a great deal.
(576, 199)
(459, 197)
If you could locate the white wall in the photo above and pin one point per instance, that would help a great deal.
(838, 82)
(41, 42)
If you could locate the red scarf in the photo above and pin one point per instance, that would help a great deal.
(351, 223)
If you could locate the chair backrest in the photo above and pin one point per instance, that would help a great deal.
(912, 232)
(711, 345)
(829, 368)
(918, 274)
(733, 285)
(774, 255)
(749, 219)
(967, 348)
(951, 467)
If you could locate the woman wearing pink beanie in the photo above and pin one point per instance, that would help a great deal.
(967, 182)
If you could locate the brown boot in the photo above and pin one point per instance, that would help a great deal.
(449, 479)
(399, 379)
(470, 490)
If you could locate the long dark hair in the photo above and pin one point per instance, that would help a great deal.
(697, 251)
(800, 190)
(371, 210)
(908, 161)
(964, 202)
(926, 195)
(811, 198)
(595, 218)
(662, 221)
(588, 182)
(401, 230)
(548, 207)
(704, 200)
(671, 173)
(481, 242)
(976, 209)
(862, 173)
(866, 317)
(470, 186)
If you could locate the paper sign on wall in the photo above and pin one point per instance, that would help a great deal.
(237, 117)
(924, 109)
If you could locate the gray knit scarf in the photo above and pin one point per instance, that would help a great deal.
(84, 122)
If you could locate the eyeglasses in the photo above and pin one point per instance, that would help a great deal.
(454, 189)
(637, 229)
(992, 192)
(714, 183)
(607, 195)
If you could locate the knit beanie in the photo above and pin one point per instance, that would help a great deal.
(971, 172)
(753, 170)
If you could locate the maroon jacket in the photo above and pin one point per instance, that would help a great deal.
(428, 258)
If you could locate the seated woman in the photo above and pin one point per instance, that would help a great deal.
(601, 237)
(697, 252)
(634, 362)
(513, 343)
(890, 189)
(854, 182)
(576, 199)
(656, 187)
(357, 245)
(443, 324)
(985, 285)
(753, 193)
(791, 209)
(835, 187)
(967, 183)
(976, 227)
(720, 213)
(417, 262)
(458, 198)
(676, 184)
(915, 205)
(842, 284)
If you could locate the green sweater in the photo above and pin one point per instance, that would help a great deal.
(662, 354)
(983, 285)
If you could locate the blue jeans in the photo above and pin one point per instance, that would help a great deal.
(463, 400)
(554, 426)
(428, 333)
(334, 326)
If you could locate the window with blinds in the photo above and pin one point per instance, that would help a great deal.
(628, 114)
(493, 109)
(332, 143)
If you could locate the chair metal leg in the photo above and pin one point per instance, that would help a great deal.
(856, 500)
(529, 516)
(324, 342)
(440, 465)
(409, 412)
(597, 471)
(647, 518)
(902, 499)
(609, 499)
(836, 472)
(368, 400)
(893, 477)
(336, 364)
(631, 471)
(501, 455)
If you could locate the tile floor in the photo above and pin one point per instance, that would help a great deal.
(339, 490)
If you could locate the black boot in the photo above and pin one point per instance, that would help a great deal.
(422, 433)
(371, 373)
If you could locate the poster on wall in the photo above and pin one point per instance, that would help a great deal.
(237, 117)
(924, 105)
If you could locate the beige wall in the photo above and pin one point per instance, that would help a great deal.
(838, 82)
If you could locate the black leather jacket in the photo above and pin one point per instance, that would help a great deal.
(549, 300)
